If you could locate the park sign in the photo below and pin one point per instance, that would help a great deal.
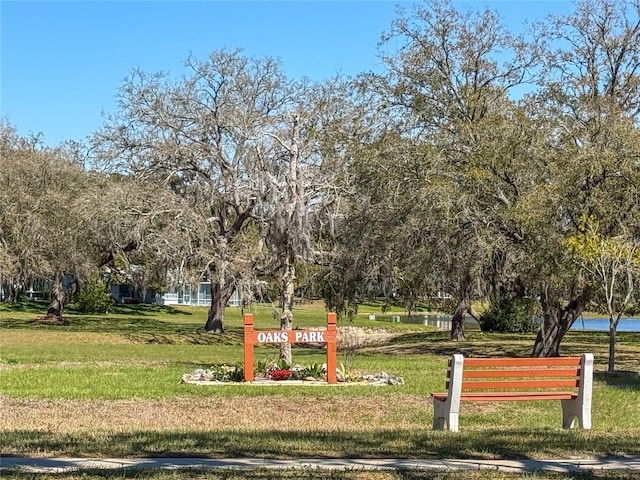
(327, 336)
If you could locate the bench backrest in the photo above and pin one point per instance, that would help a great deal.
(503, 374)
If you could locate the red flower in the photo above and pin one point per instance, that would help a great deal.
(281, 375)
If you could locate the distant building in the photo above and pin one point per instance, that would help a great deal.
(194, 296)
(126, 293)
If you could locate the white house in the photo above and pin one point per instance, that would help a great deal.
(194, 296)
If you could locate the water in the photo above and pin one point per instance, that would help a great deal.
(602, 324)
(443, 322)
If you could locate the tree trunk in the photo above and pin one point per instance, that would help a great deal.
(614, 320)
(556, 322)
(463, 308)
(288, 292)
(10, 294)
(552, 330)
(613, 326)
(60, 296)
(457, 321)
(287, 236)
(220, 295)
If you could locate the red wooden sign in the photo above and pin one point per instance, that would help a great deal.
(328, 336)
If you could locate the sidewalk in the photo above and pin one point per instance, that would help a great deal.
(60, 465)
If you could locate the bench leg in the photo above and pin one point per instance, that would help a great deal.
(445, 412)
(580, 409)
(576, 411)
(444, 417)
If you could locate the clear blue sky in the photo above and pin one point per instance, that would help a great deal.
(62, 62)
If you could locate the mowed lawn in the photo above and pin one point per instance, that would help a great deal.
(109, 385)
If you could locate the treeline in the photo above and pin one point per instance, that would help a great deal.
(482, 164)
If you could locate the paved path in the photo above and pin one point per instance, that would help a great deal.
(63, 464)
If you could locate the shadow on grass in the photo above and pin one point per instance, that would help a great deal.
(620, 379)
(39, 307)
(572, 343)
(142, 309)
(384, 443)
(137, 329)
(477, 345)
(25, 306)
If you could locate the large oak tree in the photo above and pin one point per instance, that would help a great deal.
(447, 87)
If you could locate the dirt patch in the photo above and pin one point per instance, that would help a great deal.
(355, 337)
(198, 414)
(53, 320)
(49, 337)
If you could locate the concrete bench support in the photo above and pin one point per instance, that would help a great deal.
(579, 409)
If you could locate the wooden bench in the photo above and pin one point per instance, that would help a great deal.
(511, 379)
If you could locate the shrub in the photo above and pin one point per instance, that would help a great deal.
(227, 373)
(315, 370)
(237, 374)
(509, 315)
(94, 298)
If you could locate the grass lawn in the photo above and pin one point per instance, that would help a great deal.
(109, 385)
(316, 474)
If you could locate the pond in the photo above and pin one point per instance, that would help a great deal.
(443, 322)
(602, 324)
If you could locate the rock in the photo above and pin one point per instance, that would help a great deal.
(383, 378)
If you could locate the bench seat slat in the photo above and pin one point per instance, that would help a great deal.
(509, 396)
(521, 362)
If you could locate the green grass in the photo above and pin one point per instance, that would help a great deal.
(159, 320)
(315, 474)
(109, 385)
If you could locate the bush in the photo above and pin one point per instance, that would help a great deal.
(94, 298)
(509, 315)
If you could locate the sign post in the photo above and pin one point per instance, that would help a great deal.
(328, 337)
(249, 339)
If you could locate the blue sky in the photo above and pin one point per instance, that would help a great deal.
(62, 62)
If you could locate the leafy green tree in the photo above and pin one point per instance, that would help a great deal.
(614, 264)
(589, 107)
(446, 89)
(42, 189)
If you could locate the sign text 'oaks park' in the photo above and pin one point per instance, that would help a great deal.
(327, 336)
(292, 336)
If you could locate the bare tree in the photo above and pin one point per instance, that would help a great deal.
(201, 137)
(240, 145)
(301, 196)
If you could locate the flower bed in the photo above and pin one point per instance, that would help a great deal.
(280, 373)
